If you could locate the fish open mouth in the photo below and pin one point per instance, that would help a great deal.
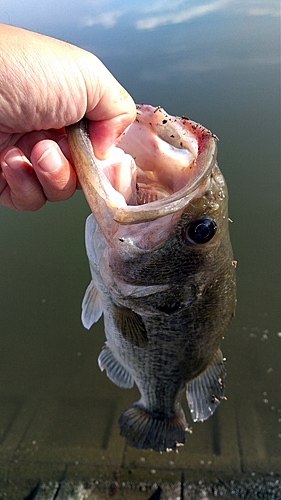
(153, 170)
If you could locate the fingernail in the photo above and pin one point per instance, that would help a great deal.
(51, 160)
(14, 159)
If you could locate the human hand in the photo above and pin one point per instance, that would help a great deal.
(45, 85)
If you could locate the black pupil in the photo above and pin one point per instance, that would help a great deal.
(201, 230)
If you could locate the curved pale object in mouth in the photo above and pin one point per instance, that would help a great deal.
(153, 170)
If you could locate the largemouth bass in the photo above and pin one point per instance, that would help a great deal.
(162, 270)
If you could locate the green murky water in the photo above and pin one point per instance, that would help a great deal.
(220, 67)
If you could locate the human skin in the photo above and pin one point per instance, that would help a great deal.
(45, 85)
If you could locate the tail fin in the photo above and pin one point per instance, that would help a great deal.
(144, 430)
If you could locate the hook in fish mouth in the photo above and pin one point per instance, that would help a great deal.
(157, 165)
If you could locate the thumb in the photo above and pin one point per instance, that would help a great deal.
(104, 133)
(114, 111)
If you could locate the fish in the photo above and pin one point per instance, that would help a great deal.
(162, 270)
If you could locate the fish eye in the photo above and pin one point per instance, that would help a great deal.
(200, 231)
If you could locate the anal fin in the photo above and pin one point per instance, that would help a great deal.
(205, 392)
(115, 371)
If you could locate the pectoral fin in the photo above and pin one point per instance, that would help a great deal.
(130, 325)
(205, 392)
(91, 306)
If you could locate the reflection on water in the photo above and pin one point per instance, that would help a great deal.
(146, 16)
(216, 62)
